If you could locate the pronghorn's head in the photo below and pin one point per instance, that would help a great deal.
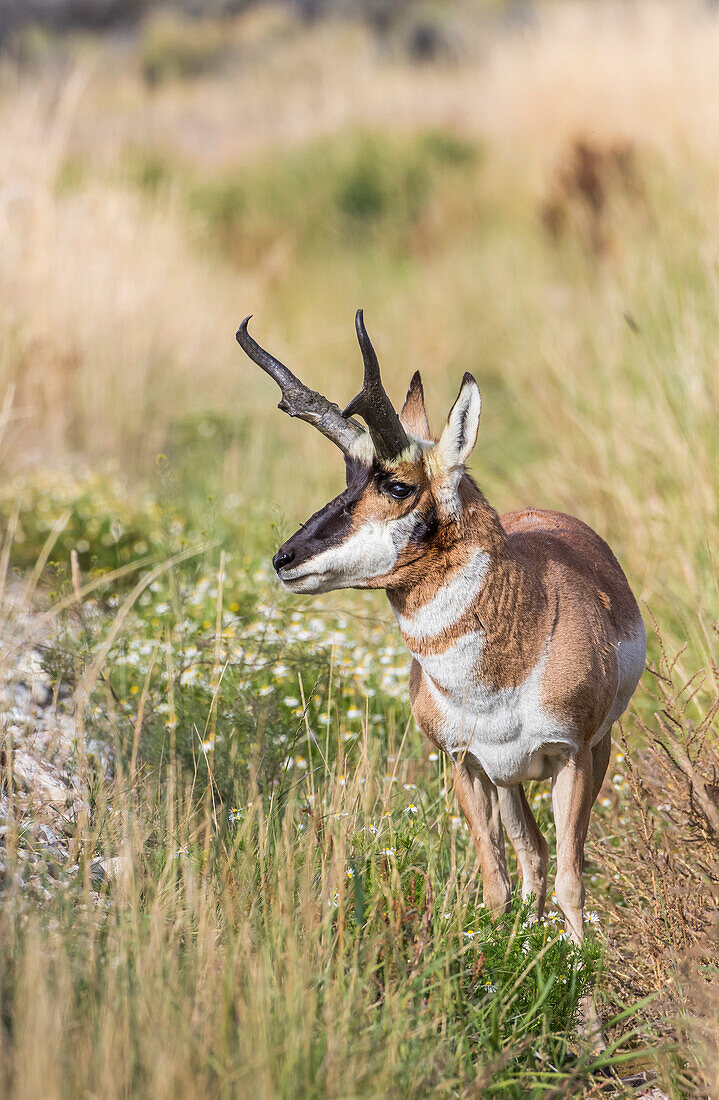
(406, 490)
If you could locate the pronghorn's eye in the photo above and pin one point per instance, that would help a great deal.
(399, 490)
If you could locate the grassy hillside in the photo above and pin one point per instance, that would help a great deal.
(292, 907)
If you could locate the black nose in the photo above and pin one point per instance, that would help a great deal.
(283, 557)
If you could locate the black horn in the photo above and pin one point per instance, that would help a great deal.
(298, 400)
(373, 404)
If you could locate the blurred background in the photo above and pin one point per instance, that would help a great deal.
(528, 191)
(525, 191)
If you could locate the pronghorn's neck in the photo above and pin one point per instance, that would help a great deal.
(449, 570)
(477, 584)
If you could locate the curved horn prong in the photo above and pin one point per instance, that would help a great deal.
(373, 404)
(297, 399)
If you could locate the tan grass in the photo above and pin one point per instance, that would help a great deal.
(86, 342)
(644, 72)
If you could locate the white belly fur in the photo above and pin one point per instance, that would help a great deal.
(505, 729)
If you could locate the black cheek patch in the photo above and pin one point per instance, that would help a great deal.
(425, 527)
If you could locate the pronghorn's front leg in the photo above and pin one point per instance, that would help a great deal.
(480, 803)
(572, 800)
(574, 788)
(528, 842)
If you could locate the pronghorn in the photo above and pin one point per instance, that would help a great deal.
(527, 642)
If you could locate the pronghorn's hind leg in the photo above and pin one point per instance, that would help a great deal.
(479, 800)
(601, 753)
(572, 800)
(574, 788)
(528, 842)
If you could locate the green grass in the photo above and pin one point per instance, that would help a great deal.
(356, 191)
(298, 903)
(286, 954)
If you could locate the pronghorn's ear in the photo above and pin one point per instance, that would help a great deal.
(414, 414)
(460, 432)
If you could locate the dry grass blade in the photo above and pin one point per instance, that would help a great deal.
(91, 674)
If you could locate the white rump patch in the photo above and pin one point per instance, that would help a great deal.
(631, 656)
(449, 604)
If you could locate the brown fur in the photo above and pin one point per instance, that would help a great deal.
(551, 577)
(552, 591)
(576, 568)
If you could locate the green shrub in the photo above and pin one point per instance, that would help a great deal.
(147, 169)
(365, 187)
(103, 523)
(180, 49)
(377, 184)
(452, 149)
